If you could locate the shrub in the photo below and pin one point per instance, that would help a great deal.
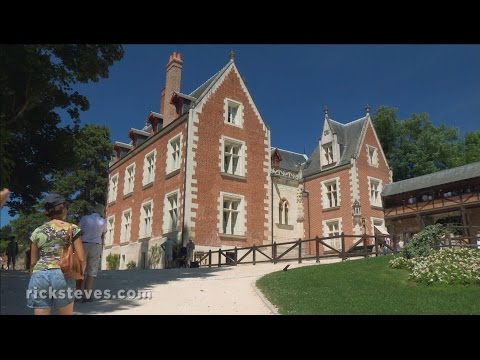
(155, 256)
(131, 265)
(447, 266)
(113, 261)
(423, 242)
(399, 262)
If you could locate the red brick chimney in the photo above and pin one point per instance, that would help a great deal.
(172, 83)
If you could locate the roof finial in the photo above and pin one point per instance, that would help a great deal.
(232, 55)
(367, 109)
(325, 111)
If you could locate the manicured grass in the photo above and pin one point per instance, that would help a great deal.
(366, 286)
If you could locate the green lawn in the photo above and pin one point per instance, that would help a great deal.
(366, 286)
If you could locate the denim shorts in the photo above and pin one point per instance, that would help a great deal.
(49, 288)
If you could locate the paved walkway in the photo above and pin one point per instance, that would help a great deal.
(201, 291)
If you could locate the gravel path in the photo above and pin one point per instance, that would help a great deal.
(201, 291)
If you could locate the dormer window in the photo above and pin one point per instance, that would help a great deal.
(328, 153)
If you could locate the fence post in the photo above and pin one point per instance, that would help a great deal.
(274, 252)
(236, 256)
(219, 257)
(342, 237)
(365, 245)
(209, 258)
(299, 251)
(317, 249)
(254, 248)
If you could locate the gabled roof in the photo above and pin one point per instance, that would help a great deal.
(348, 137)
(290, 160)
(464, 172)
(199, 92)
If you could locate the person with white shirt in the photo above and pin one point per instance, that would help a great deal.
(94, 227)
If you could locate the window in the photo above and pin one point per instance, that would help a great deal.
(146, 220)
(129, 179)
(283, 212)
(232, 222)
(372, 155)
(171, 212)
(112, 188)
(333, 227)
(233, 157)
(149, 167)
(233, 112)
(332, 194)
(174, 154)
(110, 230)
(377, 222)
(328, 153)
(231, 207)
(126, 224)
(374, 189)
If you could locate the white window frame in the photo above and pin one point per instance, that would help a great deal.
(283, 212)
(237, 120)
(377, 222)
(239, 228)
(146, 219)
(327, 231)
(372, 156)
(113, 188)
(377, 200)
(110, 230)
(149, 167)
(241, 161)
(174, 154)
(327, 153)
(125, 232)
(169, 224)
(129, 181)
(326, 199)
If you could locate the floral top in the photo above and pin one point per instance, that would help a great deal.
(50, 238)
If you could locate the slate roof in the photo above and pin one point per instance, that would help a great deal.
(464, 172)
(290, 160)
(199, 92)
(348, 137)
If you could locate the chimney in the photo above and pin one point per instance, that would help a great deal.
(172, 83)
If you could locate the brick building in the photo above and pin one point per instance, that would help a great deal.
(200, 167)
(347, 167)
(203, 166)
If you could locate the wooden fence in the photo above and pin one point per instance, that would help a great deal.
(362, 245)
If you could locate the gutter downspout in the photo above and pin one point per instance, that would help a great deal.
(185, 177)
(271, 204)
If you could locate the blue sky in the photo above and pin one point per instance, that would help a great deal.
(290, 84)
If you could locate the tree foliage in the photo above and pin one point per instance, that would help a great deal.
(86, 181)
(416, 147)
(83, 183)
(36, 81)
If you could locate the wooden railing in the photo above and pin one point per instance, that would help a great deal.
(362, 245)
(434, 204)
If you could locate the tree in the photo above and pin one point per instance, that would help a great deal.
(85, 181)
(472, 147)
(27, 222)
(82, 183)
(35, 82)
(414, 146)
